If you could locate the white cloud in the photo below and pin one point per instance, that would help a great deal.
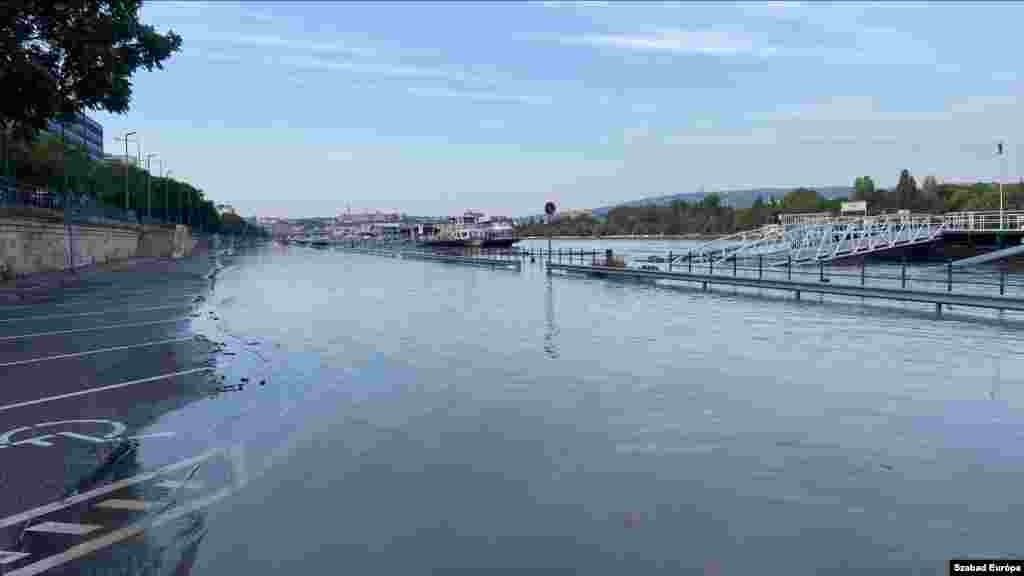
(714, 42)
(576, 4)
(479, 96)
(260, 15)
(272, 41)
(373, 68)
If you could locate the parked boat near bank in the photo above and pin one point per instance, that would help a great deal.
(472, 229)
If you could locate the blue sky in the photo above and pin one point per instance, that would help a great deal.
(302, 109)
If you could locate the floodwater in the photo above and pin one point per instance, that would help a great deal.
(409, 417)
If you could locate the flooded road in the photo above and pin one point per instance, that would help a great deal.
(319, 412)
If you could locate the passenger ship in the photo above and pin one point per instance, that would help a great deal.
(472, 229)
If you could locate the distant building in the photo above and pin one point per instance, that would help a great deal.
(369, 218)
(223, 209)
(81, 131)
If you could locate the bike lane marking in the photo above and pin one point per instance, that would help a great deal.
(96, 313)
(104, 388)
(91, 352)
(94, 328)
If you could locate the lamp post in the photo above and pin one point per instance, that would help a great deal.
(167, 194)
(125, 138)
(999, 152)
(149, 193)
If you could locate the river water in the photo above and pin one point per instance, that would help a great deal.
(435, 418)
(413, 417)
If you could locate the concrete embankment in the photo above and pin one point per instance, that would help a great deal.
(34, 243)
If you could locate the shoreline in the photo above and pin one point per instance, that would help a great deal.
(698, 237)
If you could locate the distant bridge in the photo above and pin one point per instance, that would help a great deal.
(804, 239)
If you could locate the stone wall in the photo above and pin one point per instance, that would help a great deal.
(30, 245)
(156, 241)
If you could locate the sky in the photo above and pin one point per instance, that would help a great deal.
(297, 109)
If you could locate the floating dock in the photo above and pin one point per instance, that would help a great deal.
(939, 299)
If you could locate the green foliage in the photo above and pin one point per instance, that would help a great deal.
(46, 164)
(802, 199)
(863, 188)
(66, 57)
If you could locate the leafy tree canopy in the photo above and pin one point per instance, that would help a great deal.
(62, 57)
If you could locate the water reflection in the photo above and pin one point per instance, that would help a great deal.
(550, 328)
(997, 378)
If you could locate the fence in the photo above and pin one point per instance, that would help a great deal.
(980, 281)
(80, 207)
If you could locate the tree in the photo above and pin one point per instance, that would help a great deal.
(863, 188)
(930, 197)
(907, 195)
(801, 199)
(711, 200)
(60, 58)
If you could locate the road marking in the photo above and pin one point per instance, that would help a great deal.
(67, 502)
(121, 504)
(175, 485)
(91, 352)
(90, 302)
(103, 388)
(64, 528)
(93, 329)
(86, 548)
(8, 557)
(97, 313)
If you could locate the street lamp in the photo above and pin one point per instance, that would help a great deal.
(125, 138)
(149, 194)
(167, 201)
(999, 152)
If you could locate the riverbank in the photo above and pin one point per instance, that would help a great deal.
(43, 285)
(700, 237)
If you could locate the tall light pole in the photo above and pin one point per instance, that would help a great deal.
(125, 138)
(149, 193)
(167, 194)
(999, 152)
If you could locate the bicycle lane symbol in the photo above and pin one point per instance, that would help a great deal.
(108, 430)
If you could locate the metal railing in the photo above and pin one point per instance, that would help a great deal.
(945, 277)
(77, 206)
(986, 221)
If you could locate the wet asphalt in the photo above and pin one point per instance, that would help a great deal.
(86, 368)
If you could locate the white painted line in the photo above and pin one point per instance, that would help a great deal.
(97, 313)
(120, 504)
(64, 528)
(175, 485)
(94, 328)
(86, 548)
(67, 502)
(91, 352)
(8, 557)
(91, 302)
(102, 388)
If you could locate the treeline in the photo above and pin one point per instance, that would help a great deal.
(46, 164)
(709, 217)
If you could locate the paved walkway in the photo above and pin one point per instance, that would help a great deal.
(88, 363)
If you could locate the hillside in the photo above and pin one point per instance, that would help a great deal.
(734, 198)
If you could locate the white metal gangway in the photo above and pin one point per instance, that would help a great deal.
(806, 238)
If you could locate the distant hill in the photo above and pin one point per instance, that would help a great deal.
(734, 198)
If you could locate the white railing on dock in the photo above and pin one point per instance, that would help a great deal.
(805, 238)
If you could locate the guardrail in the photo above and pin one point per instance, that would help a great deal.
(797, 287)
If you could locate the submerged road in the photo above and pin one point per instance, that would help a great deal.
(85, 371)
